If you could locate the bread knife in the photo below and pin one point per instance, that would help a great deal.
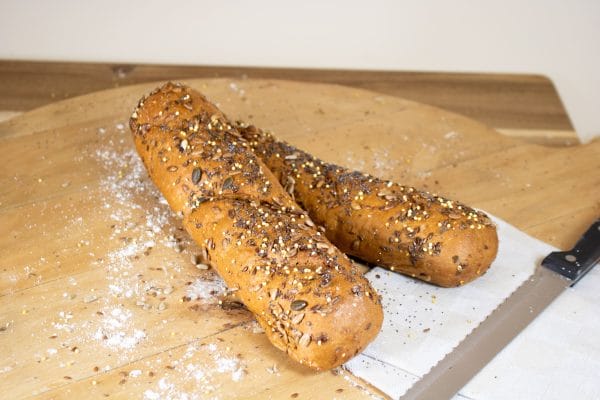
(557, 272)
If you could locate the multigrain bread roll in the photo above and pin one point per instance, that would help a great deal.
(306, 294)
(412, 232)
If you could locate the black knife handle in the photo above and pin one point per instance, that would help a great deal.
(578, 261)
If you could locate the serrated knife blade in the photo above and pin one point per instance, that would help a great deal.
(558, 271)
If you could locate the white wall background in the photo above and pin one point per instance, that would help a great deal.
(557, 38)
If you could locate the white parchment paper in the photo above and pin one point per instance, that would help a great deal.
(423, 323)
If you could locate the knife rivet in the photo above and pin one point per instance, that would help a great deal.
(570, 258)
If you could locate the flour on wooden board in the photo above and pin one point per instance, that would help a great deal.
(217, 361)
(118, 323)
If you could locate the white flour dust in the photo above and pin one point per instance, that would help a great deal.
(203, 366)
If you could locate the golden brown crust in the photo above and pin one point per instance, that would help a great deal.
(306, 294)
(405, 230)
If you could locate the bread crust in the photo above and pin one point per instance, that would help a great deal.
(398, 227)
(306, 294)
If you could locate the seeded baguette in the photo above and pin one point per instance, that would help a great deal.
(398, 227)
(306, 294)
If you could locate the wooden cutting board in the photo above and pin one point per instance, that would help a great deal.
(99, 292)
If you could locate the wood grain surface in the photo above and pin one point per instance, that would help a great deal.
(99, 292)
(526, 106)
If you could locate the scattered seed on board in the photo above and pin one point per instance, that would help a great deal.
(90, 298)
(202, 266)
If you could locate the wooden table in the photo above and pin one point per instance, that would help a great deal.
(527, 108)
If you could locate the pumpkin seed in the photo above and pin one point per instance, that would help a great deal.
(196, 175)
(298, 305)
(228, 183)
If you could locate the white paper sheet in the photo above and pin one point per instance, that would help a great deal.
(557, 357)
(423, 323)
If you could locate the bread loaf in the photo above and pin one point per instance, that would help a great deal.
(406, 230)
(305, 293)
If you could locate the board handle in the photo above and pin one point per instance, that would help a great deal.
(578, 261)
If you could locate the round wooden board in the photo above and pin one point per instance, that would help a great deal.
(529, 185)
(93, 267)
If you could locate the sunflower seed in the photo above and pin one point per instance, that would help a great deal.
(289, 185)
(293, 251)
(184, 144)
(172, 168)
(303, 227)
(276, 309)
(296, 319)
(305, 340)
(202, 266)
